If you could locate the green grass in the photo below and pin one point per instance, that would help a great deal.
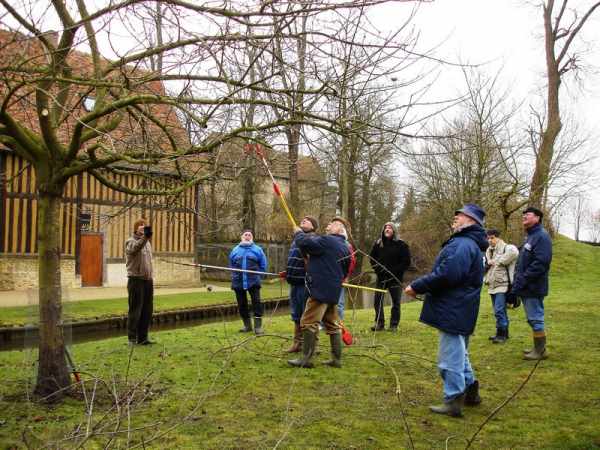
(221, 389)
(95, 309)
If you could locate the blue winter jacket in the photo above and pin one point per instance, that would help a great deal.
(533, 265)
(454, 285)
(247, 257)
(295, 272)
(328, 264)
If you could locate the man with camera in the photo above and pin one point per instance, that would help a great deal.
(140, 287)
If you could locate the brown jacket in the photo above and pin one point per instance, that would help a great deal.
(138, 257)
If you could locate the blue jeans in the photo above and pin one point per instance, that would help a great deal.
(499, 305)
(454, 365)
(341, 304)
(534, 311)
(298, 297)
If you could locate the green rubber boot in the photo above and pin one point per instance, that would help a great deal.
(336, 350)
(308, 349)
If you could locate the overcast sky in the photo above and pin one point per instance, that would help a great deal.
(507, 35)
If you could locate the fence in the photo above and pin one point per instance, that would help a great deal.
(217, 254)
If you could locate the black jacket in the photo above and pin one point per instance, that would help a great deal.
(393, 254)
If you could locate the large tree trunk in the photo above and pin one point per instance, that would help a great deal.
(293, 138)
(53, 373)
(543, 162)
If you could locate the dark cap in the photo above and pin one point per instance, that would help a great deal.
(473, 211)
(534, 210)
(313, 221)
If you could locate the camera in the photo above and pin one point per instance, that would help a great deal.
(148, 231)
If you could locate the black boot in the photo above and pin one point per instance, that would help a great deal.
(247, 326)
(258, 326)
(491, 338)
(378, 327)
(501, 336)
(336, 350)
(472, 397)
(539, 349)
(451, 408)
(308, 349)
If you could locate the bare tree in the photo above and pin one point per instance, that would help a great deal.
(562, 26)
(48, 80)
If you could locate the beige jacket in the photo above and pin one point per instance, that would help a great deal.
(504, 257)
(138, 257)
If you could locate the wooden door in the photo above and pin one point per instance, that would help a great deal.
(91, 259)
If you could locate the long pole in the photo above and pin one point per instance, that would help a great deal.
(256, 272)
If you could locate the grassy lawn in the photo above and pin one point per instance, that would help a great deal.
(91, 309)
(210, 387)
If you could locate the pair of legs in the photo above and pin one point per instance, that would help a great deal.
(141, 305)
(394, 290)
(298, 298)
(534, 311)
(499, 306)
(315, 313)
(460, 385)
(242, 301)
(257, 308)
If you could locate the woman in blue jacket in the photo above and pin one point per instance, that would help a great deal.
(248, 256)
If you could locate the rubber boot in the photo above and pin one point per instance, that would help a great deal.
(258, 326)
(247, 326)
(336, 350)
(308, 349)
(297, 344)
(472, 397)
(539, 349)
(501, 336)
(491, 338)
(451, 408)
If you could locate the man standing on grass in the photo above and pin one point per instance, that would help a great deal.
(140, 287)
(389, 258)
(531, 278)
(328, 264)
(500, 259)
(451, 305)
(295, 276)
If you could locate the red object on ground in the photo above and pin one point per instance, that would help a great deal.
(346, 336)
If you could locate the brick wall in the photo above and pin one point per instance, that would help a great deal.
(21, 272)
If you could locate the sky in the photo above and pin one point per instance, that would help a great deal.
(507, 35)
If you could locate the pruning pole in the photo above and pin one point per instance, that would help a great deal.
(74, 370)
(259, 152)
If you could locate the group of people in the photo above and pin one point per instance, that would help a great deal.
(318, 265)
(453, 288)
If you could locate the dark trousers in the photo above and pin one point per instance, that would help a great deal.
(141, 305)
(242, 301)
(394, 290)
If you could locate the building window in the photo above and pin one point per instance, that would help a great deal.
(88, 103)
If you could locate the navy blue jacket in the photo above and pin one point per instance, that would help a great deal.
(247, 257)
(533, 265)
(295, 272)
(328, 264)
(453, 287)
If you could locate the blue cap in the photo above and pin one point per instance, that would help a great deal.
(473, 211)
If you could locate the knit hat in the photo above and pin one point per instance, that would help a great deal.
(313, 221)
